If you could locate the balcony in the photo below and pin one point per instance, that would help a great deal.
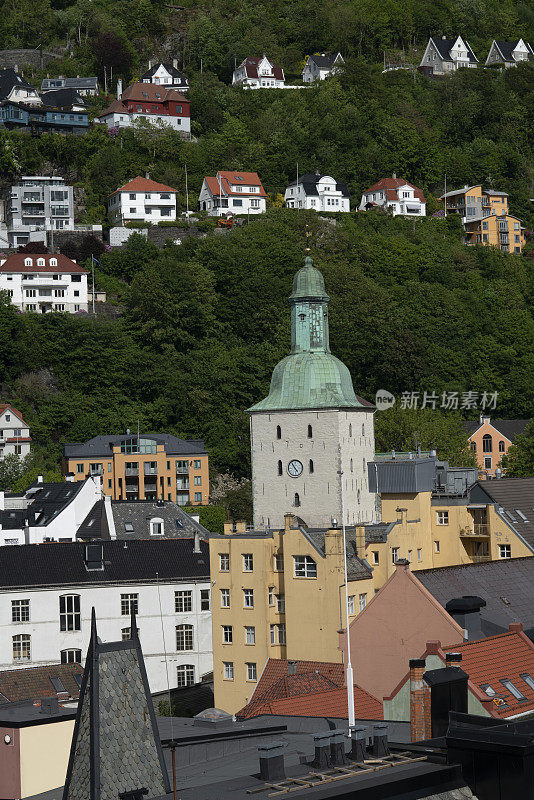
(182, 483)
(182, 470)
(479, 559)
(150, 470)
(478, 530)
(131, 471)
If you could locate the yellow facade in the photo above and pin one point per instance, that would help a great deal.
(147, 476)
(44, 756)
(503, 232)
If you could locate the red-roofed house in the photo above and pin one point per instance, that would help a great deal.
(307, 689)
(232, 193)
(159, 105)
(14, 432)
(259, 72)
(142, 199)
(44, 282)
(501, 676)
(396, 194)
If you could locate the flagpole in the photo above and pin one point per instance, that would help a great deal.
(349, 673)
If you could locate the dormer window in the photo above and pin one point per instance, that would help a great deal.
(40, 262)
(156, 526)
(28, 262)
(53, 262)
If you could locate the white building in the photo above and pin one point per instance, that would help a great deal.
(165, 74)
(140, 103)
(48, 591)
(14, 87)
(317, 192)
(443, 56)
(232, 193)
(44, 282)
(143, 200)
(14, 433)
(396, 195)
(38, 203)
(258, 73)
(509, 53)
(321, 66)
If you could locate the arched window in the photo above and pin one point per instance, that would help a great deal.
(297, 499)
(22, 647)
(501, 446)
(69, 613)
(310, 432)
(53, 262)
(311, 467)
(71, 656)
(350, 429)
(28, 262)
(280, 470)
(156, 526)
(184, 637)
(40, 262)
(351, 466)
(487, 443)
(278, 432)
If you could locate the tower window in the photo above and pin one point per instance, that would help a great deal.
(363, 430)
(351, 466)
(297, 499)
(278, 432)
(311, 467)
(310, 432)
(280, 469)
(350, 429)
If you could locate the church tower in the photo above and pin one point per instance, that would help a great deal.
(311, 426)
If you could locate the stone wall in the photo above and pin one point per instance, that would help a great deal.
(20, 58)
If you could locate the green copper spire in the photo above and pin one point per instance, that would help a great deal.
(311, 377)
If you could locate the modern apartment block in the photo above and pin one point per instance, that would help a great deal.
(38, 202)
(486, 218)
(152, 466)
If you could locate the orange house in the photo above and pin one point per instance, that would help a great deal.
(490, 439)
(150, 466)
(485, 218)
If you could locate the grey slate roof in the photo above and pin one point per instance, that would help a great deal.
(177, 523)
(507, 586)
(443, 46)
(516, 498)
(103, 445)
(63, 563)
(62, 98)
(70, 83)
(310, 180)
(324, 60)
(506, 50)
(357, 568)
(173, 72)
(508, 427)
(8, 79)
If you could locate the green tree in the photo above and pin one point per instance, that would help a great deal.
(519, 460)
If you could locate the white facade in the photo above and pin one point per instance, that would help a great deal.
(13, 431)
(405, 204)
(122, 118)
(321, 196)
(38, 203)
(152, 206)
(242, 200)
(521, 51)
(340, 439)
(315, 68)
(45, 291)
(47, 642)
(250, 75)
(163, 77)
(458, 55)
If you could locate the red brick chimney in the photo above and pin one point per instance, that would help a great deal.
(420, 720)
(515, 627)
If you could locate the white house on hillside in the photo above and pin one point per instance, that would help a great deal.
(321, 66)
(259, 73)
(397, 195)
(232, 193)
(143, 200)
(165, 74)
(447, 55)
(509, 53)
(317, 192)
(44, 282)
(14, 432)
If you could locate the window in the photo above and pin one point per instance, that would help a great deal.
(183, 601)
(156, 527)
(252, 673)
(71, 656)
(224, 562)
(280, 603)
(351, 603)
(270, 595)
(419, 554)
(228, 670)
(280, 468)
(487, 462)
(304, 567)
(505, 551)
(501, 446)
(250, 634)
(227, 634)
(278, 562)
(248, 598)
(375, 557)
(529, 680)
(486, 443)
(278, 432)
(69, 612)
(310, 432)
(20, 611)
(362, 601)
(394, 554)
(198, 497)
(296, 501)
(248, 562)
(225, 598)
(436, 546)
(22, 647)
(273, 634)
(350, 430)
(205, 604)
(443, 517)
(129, 604)
(281, 633)
(310, 467)
(197, 480)
(512, 688)
(184, 637)
(185, 675)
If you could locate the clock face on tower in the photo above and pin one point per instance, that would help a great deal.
(294, 468)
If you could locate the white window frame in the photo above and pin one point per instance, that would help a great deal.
(227, 634)
(228, 667)
(505, 551)
(225, 598)
(395, 554)
(362, 600)
(250, 634)
(252, 672)
(248, 562)
(304, 567)
(248, 598)
(22, 644)
(224, 562)
(20, 611)
(185, 675)
(70, 617)
(183, 601)
(442, 517)
(350, 603)
(186, 633)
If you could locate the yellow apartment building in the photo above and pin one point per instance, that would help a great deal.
(504, 232)
(146, 467)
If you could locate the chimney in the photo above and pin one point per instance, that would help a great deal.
(289, 521)
(515, 627)
(358, 737)
(484, 420)
(272, 761)
(150, 64)
(337, 747)
(452, 658)
(466, 612)
(196, 547)
(420, 721)
(49, 705)
(292, 667)
(322, 758)
(380, 740)
(39, 479)
(402, 564)
(119, 88)
(394, 175)
(147, 175)
(175, 63)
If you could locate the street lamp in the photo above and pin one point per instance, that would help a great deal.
(349, 674)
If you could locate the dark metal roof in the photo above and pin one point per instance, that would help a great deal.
(103, 445)
(49, 499)
(506, 50)
(132, 520)
(95, 525)
(62, 563)
(507, 586)
(62, 98)
(70, 83)
(324, 60)
(25, 714)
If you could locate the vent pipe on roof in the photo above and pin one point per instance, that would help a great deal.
(39, 479)
(292, 667)
(196, 548)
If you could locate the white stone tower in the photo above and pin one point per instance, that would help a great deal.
(311, 426)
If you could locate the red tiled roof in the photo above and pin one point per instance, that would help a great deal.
(33, 683)
(140, 184)
(251, 67)
(15, 263)
(156, 93)
(229, 178)
(6, 406)
(332, 703)
(391, 185)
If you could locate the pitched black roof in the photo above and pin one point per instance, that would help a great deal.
(515, 496)
(63, 563)
(506, 50)
(62, 98)
(48, 499)
(8, 79)
(173, 72)
(132, 520)
(324, 60)
(103, 445)
(508, 427)
(70, 83)
(443, 46)
(309, 180)
(95, 525)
